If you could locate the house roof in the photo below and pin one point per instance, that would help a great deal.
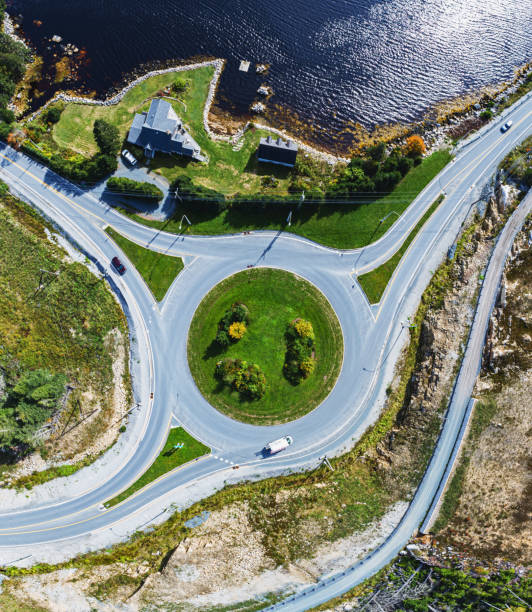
(277, 151)
(161, 129)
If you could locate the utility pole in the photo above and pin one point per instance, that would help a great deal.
(289, 219)
(42, 286)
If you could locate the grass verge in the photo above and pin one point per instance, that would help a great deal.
(343, 226)
(168, 459)
(157, 269)
(374, 283)
(274, 298)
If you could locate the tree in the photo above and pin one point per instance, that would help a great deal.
(12, 65)
(414, 146)
(107, 137)
(237, 330)
(7, 85)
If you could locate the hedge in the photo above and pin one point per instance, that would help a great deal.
(129, 187)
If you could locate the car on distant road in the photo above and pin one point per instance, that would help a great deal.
(129, 157)
(507, 126)
(118, 265)
(278, 445)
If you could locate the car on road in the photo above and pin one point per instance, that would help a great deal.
(129, 157)
(507, 126)
(278, 445)
(118, 265)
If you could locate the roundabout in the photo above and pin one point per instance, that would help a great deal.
(273, 299)
(62, 519)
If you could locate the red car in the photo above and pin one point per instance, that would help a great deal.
(118, 265)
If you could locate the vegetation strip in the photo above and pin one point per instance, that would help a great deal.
(374, 283)
(180, 448)
(273, 298)
(345, 226)
(158, 270)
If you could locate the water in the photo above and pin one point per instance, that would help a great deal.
(332, 62)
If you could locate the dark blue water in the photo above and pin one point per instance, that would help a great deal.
(332, 62)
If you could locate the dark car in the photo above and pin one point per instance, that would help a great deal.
(118, 265)
(507, 126)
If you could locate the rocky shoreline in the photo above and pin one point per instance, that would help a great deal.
(436, 133)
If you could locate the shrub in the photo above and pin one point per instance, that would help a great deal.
(304, 328)
(233, 324)
(299, 360)
(404, 164)
(180, 86)
(486, 115)
(7, 115)
(414, 146)
(222, 338)
(240, 312)
(237, 330)
(247, 379)
(5, 128)
(307, 366)
(376, 151)
(107, 137)
(386, 181)
(134, 188)
(52, 114)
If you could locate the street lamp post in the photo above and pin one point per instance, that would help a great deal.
(381, 221)
(181, 222)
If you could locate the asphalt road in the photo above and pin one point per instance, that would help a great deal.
(372, 335)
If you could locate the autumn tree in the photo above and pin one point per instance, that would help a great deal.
(414, 146)
(237, 330)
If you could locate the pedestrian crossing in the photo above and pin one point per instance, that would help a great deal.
(223, 460)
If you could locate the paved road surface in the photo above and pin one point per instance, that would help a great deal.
(372, 335)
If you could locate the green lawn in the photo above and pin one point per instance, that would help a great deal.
(168, 459)
(374, 282)
(342, 226)
(157, 269)
(274, 298)
(228, 171)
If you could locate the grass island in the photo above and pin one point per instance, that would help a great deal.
(274, 299)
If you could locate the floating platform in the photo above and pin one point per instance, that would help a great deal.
(244, 65)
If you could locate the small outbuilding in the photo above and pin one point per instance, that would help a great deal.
(277, 151)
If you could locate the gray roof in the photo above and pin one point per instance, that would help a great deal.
(278, 143)
(160, 129)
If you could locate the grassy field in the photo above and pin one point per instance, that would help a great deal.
(168, 459)
(374, 282)
(228, 171)
(157, 269)
(343, 226)
(274, 298)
